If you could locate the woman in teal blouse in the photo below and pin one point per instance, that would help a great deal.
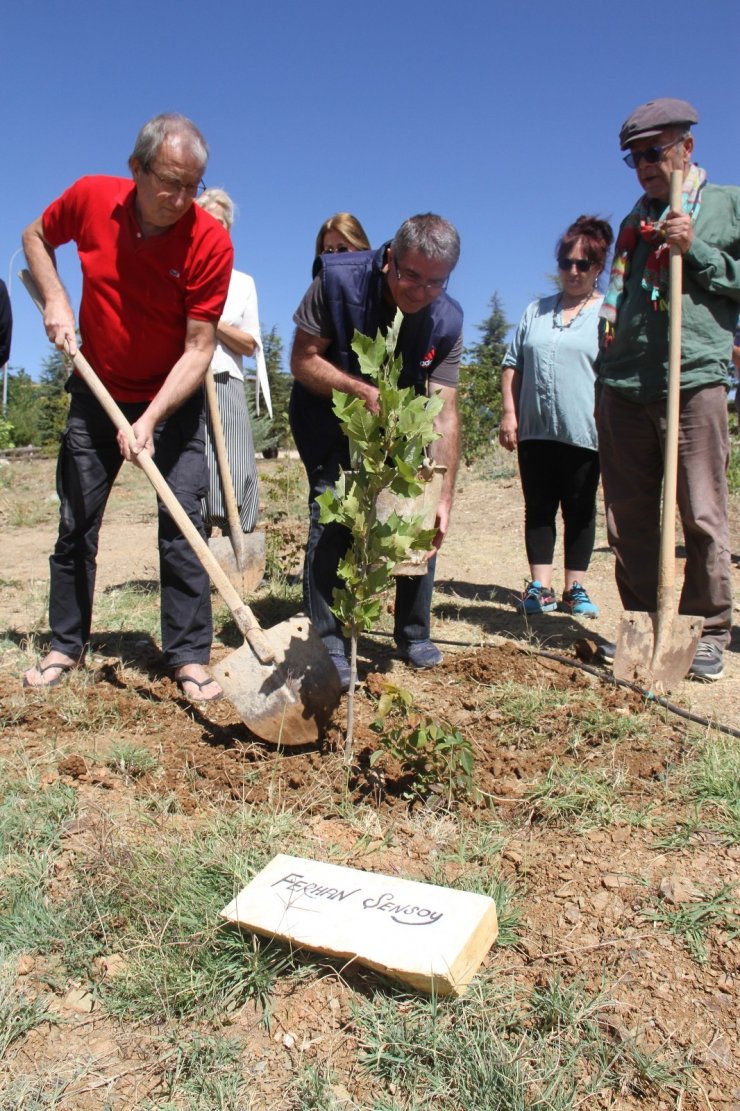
(547, 384)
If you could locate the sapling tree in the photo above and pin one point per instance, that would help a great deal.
(388, 451)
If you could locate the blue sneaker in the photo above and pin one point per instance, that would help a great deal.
(537, 599)
(420, 654)
(577, 602)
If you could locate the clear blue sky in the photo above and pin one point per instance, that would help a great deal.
(503, 118)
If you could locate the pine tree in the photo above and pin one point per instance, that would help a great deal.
(23, 408)
(280, 387)
(53, 399)
(479, 393)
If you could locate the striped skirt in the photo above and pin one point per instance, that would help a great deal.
(232, 404)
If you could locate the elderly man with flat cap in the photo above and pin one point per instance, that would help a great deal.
(632, 371)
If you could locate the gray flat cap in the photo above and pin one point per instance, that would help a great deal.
(651, 118)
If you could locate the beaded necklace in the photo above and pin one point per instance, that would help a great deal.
(558, 309)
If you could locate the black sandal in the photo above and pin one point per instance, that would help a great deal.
(61, 668)
(200, 684)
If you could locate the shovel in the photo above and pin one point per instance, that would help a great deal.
(655, 651)
(282, 681)
(242, 555)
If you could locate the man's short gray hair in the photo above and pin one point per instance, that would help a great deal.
(155, 131)
(431, 236)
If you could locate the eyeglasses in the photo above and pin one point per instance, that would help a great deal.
(335, 250)
(582, 265)
(651, 155)
(172, 187)
(411, 279)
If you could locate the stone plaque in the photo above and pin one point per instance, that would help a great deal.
(432, 938)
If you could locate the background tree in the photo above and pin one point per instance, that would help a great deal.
(479, 392)
(269, 435)
(53, 400)
(23, 408)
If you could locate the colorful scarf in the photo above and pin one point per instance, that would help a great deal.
(637, 226)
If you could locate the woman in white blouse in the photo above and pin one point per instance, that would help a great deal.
(547, 387)
(237, 335)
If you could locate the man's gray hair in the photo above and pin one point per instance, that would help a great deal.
(155, 131)
(431, 236)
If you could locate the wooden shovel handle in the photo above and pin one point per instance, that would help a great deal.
(227, 484)
(667, 566)
(242, 614)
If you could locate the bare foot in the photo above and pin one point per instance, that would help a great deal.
(196, 684)
(50, 671)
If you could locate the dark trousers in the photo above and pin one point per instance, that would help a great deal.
(88, 463)
(631, 443)
(559, 476)
(325, 547)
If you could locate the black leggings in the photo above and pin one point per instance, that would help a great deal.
(556, 475)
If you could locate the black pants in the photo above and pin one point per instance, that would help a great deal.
(88, 463)
(559, 476)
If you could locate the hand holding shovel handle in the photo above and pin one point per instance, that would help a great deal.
(242, 614)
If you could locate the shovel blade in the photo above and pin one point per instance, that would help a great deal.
(656, 663)
(290, 701)
(245, 566)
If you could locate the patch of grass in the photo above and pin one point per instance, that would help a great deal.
(592, 725)
(131, 760)
(692, 922)
(133, 605)
(202, 1073)
(313, 1091)
(714, 773)
(153, 900)
(710, 780)
(31, 816)
(41, 1090)
(496, 1049)
(18, 1012)
(567, 793)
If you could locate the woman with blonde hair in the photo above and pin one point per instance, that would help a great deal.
(341, 232)
(237, 335)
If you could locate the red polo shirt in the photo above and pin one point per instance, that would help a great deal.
(137, 293)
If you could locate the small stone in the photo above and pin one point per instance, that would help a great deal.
(288, 1041)
(674, 891)
(611, 881)
(567, 891)
(572, 914)
(79, 1000)
(600, 901)
(107, 967)
(25, 965)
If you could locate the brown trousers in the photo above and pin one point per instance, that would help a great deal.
(631, 446)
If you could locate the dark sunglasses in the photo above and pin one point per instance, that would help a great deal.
(582, 265)
(651, 155)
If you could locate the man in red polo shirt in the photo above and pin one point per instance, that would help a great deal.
(156, 271)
